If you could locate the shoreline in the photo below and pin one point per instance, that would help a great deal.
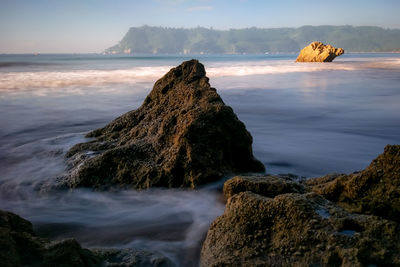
(184, 55)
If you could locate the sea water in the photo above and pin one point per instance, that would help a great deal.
(308, 119)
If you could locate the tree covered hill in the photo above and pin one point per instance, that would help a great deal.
(160, 40)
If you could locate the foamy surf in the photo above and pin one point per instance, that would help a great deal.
(13, 82)
(81, 78)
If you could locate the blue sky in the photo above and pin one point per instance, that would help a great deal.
(80, 26)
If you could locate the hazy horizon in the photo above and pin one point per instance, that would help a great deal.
(53, 26)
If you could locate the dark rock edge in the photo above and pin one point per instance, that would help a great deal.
(20, 246)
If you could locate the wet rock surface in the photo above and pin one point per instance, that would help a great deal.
(318, 52)
(298, 230)
(131, 257)
(375, 190)
(276, 221)
(19, 246)
(269, 185)
(183, 135)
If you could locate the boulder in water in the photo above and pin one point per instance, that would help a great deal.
(318, 52)
(183, 135)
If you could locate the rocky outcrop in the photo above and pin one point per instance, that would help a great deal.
(318, 52)
(269, 185)
(19, 246)
(183, 135)
(375, 190)
(276, 221)
(298, 230)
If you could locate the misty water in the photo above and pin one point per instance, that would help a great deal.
(305, 119)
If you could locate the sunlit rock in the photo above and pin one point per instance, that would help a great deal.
(318, 52)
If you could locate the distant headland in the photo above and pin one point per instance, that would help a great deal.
(161, 40)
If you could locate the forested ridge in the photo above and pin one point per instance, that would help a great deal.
(161, 40)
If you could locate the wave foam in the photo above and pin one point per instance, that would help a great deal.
(82, 78)
(25, 81)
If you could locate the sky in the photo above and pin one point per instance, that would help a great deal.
(91, 26)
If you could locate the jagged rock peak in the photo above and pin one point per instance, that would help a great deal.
(183, 135)
(190, 70)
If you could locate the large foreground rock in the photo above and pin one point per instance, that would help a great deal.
(298, 230)
(375, 190)
(349, 220)
(183, 135)
(318, 52)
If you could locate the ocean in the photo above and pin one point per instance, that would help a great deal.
(308, 119)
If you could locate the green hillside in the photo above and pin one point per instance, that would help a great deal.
(159, 40)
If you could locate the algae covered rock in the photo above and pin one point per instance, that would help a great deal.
(318, 52)
(183, 135)
(298, 230)
(375, 190)
(268, 185)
